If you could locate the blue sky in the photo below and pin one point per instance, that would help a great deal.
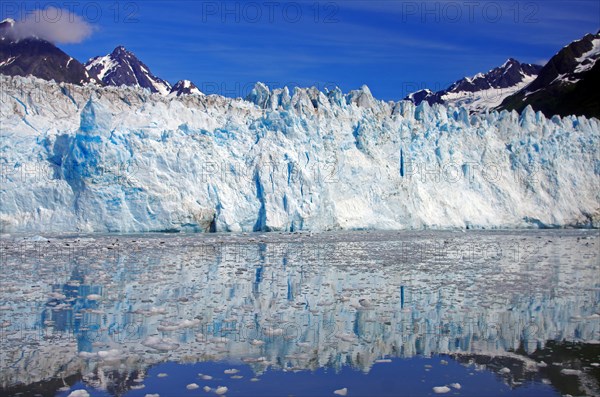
(395, 47)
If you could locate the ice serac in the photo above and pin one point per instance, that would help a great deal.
(120, 159)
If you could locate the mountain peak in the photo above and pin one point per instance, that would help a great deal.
(7, 22)
(483, 90)
(185, 87)
(122, 67)
(509, 63)
(6, 29)
(120, 51)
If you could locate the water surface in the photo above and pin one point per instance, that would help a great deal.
(369, 313)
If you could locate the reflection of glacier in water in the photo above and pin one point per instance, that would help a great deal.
(92, 305)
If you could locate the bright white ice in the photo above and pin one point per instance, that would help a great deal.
(121, 159)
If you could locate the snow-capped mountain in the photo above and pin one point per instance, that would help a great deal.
(122, 67)
(512, 72)
(484, 90)
(88, 158)
(424, 95)
(185, 87)
(5, 25)
(567, 84)
(39, 58)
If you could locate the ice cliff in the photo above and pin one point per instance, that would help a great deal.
(90, 159)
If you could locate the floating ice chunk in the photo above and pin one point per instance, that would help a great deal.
(347, 337)
(365, 302)
(456, 386)
(94, 297)
(152, 395)
(231, 371)
(200, 337)
(205, 377)
(152, 311)
(79, 393)
(256, 342)
(192, 386)
(542, 364)
(341, 392)
(189, 323)
(383, 360)
(568, 371)
(273, 331)
(221, 390)
(206, 389)
(167, 328)
(109, 355)
(504, 371)
(36, 238)
(441, 389)
(160, 344)
(157, 310)
(162, 375)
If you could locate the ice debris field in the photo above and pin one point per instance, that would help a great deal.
(169, 314)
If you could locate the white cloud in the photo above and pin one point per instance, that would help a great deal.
(53, 24)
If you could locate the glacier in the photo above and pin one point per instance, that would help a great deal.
(121, 159)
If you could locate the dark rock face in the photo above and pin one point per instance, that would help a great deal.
(567, 84)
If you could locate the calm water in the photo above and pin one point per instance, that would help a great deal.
(356, 313)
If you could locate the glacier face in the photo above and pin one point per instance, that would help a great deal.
(91, 159)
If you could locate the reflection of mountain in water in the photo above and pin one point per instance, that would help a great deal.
(270, 301)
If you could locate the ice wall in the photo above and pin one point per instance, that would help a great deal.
(88, 159)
